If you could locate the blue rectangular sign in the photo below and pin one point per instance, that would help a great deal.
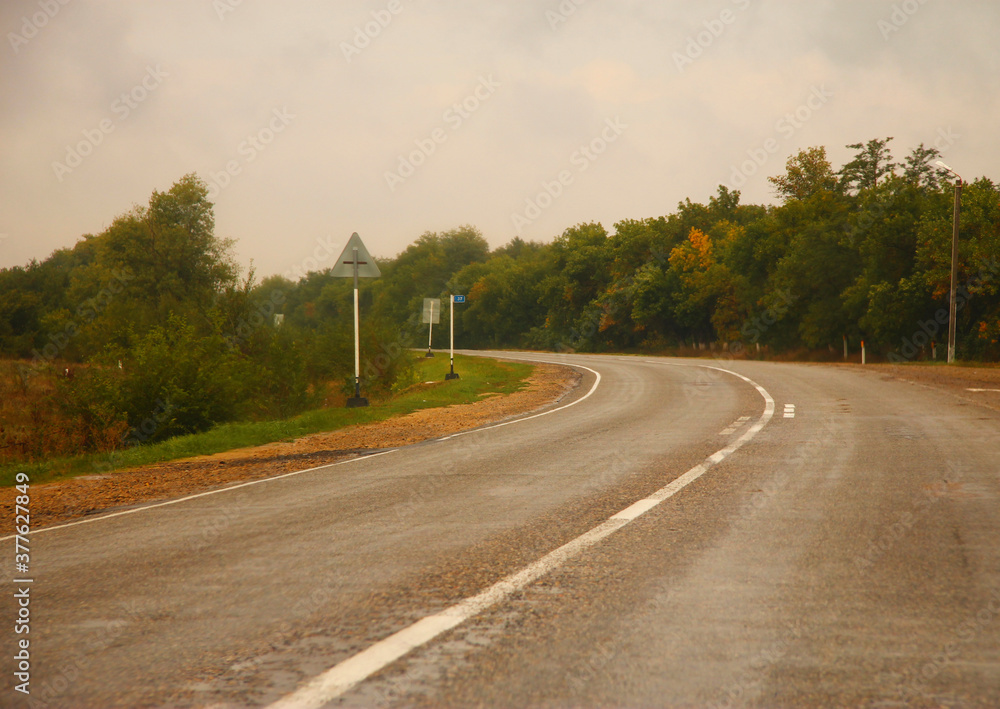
(458, 298)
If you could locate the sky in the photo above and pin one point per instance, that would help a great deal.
(310, 119)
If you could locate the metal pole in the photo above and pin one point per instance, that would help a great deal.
(357, 332)
(953, 307)
(451, 323)
(430, 331)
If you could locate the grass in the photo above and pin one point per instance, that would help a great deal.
(478, 377)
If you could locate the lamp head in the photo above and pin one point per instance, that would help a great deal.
(942, 164)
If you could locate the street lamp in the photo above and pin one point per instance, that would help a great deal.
(954, 262)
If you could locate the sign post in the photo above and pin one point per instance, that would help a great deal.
(356, 262)
(432, 316)
(454, 299)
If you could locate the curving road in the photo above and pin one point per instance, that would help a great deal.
(672, 534)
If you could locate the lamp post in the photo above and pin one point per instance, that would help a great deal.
(952, 308)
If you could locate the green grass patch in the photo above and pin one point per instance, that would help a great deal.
(478, 377)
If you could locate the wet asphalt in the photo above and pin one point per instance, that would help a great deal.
(846, 556)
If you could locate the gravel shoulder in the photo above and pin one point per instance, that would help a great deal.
(56, 502)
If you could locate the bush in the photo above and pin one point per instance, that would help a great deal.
(387, 365)
(170, 381)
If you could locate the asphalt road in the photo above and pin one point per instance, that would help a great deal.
(846, 555)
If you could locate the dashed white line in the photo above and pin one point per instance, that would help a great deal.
(789, 411)
(734, 426)
(342, 677)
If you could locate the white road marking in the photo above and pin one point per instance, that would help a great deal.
(354, 670)
(155, 505)
(544, 413)
(981, 390)
(637, 509)
(734, 426)
(135, 510)
(789, 411)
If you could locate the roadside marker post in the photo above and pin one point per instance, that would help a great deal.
(356, 262)
(454, 299)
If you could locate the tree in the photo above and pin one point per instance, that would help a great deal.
(422, 271)
(706, 301)
(503, 299)
(872, 162)
(806, 173)
(151, 263)
(814, 264)
(919, 171)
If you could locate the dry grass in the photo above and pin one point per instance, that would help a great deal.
(32, 424)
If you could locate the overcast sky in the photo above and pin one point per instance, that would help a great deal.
(313, 119)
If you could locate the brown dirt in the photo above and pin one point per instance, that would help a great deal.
(85, 495)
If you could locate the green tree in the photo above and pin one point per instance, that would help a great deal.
(806, 173)
(872, 162)
(919, 170)
(423, 269)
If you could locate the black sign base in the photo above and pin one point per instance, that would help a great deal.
(356, 402)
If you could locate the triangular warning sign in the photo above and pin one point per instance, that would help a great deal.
(355, 251)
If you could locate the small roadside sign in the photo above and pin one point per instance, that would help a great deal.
(432, 311)
(458, 298)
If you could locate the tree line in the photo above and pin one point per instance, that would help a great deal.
(162, 325)
(859, 253)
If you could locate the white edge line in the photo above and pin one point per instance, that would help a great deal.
(544, 413)
(155, 505)
(217, 491)
(343, 676)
